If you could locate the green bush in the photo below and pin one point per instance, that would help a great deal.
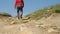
(57, 10)
(5, 14)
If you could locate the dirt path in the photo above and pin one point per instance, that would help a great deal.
(50, 25)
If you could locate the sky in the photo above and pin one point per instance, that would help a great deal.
(29, 5)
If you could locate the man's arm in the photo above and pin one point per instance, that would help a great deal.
(15, 5)
(23, 2)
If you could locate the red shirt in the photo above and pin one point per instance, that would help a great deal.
(19, 3)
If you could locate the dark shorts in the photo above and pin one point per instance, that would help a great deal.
(19, 7)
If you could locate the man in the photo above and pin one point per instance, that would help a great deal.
(19, 4)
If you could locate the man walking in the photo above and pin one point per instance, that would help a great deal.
(19, 4)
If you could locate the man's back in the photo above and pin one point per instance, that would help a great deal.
(19, 2)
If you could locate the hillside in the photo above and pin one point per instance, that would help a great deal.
(43, 21)
(45, 12)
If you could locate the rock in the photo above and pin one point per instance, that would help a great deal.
(52, 31)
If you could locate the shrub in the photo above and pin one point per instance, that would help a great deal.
(57, 10)
(5, 14)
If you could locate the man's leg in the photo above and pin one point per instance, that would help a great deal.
(18, 13)
(21, 13)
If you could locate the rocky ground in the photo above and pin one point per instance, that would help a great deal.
(49, 25)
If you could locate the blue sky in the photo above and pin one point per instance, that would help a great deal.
(29, 5)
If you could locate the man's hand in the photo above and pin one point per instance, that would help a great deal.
(23, 4)
(15, 7)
